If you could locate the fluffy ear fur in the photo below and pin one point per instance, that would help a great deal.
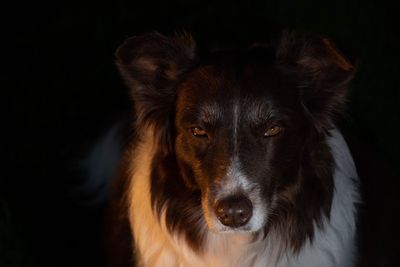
(322, 74)
(151, 65)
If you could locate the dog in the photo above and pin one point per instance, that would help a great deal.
(235, 159)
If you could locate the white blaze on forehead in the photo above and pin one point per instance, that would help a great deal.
(236, 111)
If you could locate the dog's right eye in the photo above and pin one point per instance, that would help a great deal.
(198, 132)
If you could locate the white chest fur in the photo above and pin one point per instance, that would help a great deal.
(333, 246)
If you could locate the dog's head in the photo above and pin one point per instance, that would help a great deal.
(247, 127)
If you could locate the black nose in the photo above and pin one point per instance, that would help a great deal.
(234, 211)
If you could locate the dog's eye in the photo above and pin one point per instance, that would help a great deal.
(199, 132)
(274, 130)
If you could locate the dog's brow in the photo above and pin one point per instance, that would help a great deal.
(210, 112)
(257, 111)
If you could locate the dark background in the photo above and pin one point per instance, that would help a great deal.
(60, 90)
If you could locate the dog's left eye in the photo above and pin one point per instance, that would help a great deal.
(272, 131)
(198, 132)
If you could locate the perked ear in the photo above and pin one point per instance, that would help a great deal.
(322, 74)
(151, 65)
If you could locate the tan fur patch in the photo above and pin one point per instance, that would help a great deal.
(339, 58)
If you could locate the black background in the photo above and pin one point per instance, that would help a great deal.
(60, 90)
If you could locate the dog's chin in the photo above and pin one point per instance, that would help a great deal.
(228, 230)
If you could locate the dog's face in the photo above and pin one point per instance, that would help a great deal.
(239, 124)
(239, 136)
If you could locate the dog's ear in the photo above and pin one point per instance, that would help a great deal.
(322, 74)
(151, 65)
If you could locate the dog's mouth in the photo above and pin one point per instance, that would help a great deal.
(234, 213)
